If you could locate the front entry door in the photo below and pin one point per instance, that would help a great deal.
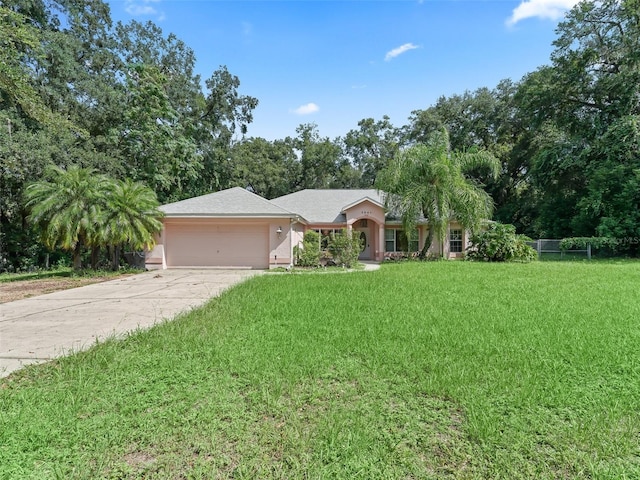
(365, 252)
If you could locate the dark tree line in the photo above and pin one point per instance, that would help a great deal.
(123, 99)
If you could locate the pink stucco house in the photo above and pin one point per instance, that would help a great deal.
(237, 228)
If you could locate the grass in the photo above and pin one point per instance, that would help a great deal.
(418, 370)
(17, 277)
(64, 272)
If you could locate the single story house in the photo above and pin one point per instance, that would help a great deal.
(237, 228)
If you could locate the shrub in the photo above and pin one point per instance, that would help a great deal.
(500, 243)
(608, 244)
(308, 255)
(345, 248)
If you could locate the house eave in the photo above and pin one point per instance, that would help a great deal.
(261, 216)
(229, 215)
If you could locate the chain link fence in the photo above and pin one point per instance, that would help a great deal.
(549, 248)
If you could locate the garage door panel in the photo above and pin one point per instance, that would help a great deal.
(207, 245)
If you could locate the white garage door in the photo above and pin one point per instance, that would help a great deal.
(206, 245)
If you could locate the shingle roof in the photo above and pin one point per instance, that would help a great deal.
(325, 206)
(233, 202)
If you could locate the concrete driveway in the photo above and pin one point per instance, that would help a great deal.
(38, 329)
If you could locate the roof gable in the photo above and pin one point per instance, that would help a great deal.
(326, 206)
(358, 202)
(233, 202)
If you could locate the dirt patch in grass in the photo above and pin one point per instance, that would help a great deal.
(18, 290)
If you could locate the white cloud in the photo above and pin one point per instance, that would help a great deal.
(549, 9)
(307, 109)
(143, 8)
(399, 51)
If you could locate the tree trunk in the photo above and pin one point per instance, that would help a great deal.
(427, 244)
(77, 256)
(95, 252)
(115, 257)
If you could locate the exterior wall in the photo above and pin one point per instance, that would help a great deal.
(280, 245)
(297, 235)
(435, 245)
(155, 258)
(365, 209)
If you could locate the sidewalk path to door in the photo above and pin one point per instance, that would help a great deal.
(38, 329)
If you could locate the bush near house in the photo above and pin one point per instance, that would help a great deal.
(342, 249)
(500, 243)
(345, 247)
(308, 255)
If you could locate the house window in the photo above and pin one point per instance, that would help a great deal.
(396, 241)
(364, 223)
(389, 240)
(455, 240)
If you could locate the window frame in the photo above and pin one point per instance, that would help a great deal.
(399, 239)
(456, 240)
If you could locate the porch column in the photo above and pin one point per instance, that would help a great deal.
(381, 243)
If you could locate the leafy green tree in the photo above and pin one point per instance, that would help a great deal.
(223, 114)
(122, 99)
(582, 109)
(130, 218)
(429, 180)
(16, 37)
(66, 207)
(19, 39)
(269, 169)
(320, 158)
(371, 147)
(489, 120)
(77, 208)
(152, 135)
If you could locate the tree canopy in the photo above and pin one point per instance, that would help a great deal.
(429, 180)
(124, 99)
(77, 208)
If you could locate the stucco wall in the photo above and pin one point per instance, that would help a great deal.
(280, 245)
(365, 209)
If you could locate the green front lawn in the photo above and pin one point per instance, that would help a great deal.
(418, 370)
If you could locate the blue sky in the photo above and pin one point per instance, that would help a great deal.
(334, 63)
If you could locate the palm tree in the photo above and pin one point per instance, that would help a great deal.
(131, 218)
(66, 206)
(430, 180)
